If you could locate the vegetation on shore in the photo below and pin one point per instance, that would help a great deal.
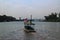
(53, 17)
(4, 18)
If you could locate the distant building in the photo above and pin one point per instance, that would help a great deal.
(59, 15)
(19, 18)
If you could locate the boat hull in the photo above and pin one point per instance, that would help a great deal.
(29, 29)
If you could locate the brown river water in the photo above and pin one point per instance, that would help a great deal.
(44, 31)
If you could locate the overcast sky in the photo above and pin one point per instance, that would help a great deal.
(24, 8)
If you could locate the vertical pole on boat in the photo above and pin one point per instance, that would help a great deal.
(31, 19)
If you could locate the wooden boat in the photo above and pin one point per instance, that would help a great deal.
(29, 29)
(28, 26)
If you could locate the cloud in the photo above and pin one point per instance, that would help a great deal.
(24, 8)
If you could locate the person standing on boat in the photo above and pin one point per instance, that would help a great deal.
(27, 24)
(25, 21)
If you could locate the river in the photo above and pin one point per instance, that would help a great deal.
(44, 31)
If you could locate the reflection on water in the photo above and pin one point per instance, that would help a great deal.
(44, 31)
